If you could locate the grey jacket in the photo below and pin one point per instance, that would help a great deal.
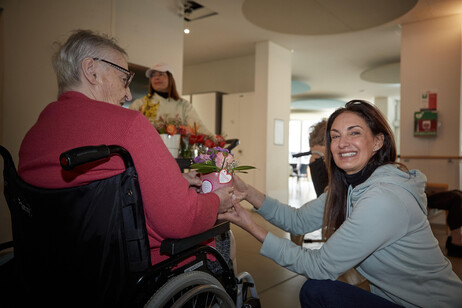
(386, 237)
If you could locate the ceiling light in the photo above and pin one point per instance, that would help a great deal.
(186, 31)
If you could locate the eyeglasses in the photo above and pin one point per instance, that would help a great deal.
(130, 75)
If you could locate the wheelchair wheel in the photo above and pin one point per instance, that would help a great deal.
(192, 289)
(212, 296)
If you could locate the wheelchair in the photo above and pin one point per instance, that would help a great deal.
(87, 246)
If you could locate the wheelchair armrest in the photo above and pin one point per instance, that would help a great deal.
(175, 246)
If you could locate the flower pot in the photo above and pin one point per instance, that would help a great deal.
(172, 142)
(215, 180)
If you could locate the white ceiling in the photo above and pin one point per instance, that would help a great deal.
(364, 39)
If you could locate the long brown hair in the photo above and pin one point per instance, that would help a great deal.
(335, 208)
(172, 91)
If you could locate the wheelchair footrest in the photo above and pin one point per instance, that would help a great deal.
(246, 285)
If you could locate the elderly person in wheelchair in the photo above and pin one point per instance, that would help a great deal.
(123, 236)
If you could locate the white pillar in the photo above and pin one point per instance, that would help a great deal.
(272, 110)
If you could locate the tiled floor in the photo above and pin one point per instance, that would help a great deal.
(279, 287)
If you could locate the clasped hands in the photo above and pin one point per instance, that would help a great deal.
(225, 194)
(230, 197)
(236, 213)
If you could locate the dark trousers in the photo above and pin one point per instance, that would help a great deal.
(338, 294)
(450, 201)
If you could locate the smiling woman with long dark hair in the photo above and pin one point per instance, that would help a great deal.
(373, 218)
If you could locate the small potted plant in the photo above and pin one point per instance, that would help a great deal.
(216, 168)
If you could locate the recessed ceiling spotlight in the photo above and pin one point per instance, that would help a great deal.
(292, 50)
(186, 31)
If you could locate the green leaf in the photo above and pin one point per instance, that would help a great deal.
(239, 168)
(204, 168)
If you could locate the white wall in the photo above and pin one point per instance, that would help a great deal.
(389, 106)
(151, 32)
(30, 28)
(431, 59)
(238, 122)
(234, 75)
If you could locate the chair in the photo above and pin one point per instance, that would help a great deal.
(433, 188)
(88, 246)
(294, 170)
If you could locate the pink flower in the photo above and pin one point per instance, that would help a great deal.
(222, 161)
(219, 159)
(229, 159)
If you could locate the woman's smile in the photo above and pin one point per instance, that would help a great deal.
(352, 142)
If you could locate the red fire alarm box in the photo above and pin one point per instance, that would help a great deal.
(429, 100)
(425, 123)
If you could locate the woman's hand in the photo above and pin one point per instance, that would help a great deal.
(243, 191)
(193, 178)
(240, 189)
(241, 217)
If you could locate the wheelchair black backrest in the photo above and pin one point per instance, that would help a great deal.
(319, 175)
(85, 245)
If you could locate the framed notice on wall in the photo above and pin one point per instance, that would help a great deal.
(278, 132)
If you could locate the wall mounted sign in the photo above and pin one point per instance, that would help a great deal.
(428, 100)
(425, 123)
(278, 132)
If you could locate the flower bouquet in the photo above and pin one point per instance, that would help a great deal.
(193, 142)
(216, 168)
(171, 130)
(183, 141)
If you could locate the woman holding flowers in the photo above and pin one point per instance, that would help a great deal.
(163, 100)
(373, 218)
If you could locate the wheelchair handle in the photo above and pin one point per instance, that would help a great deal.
(307, 153)
(232, 143)
(79, 156)
(301, 154)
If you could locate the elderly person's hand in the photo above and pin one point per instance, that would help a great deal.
(193, 178)
(226, 198)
